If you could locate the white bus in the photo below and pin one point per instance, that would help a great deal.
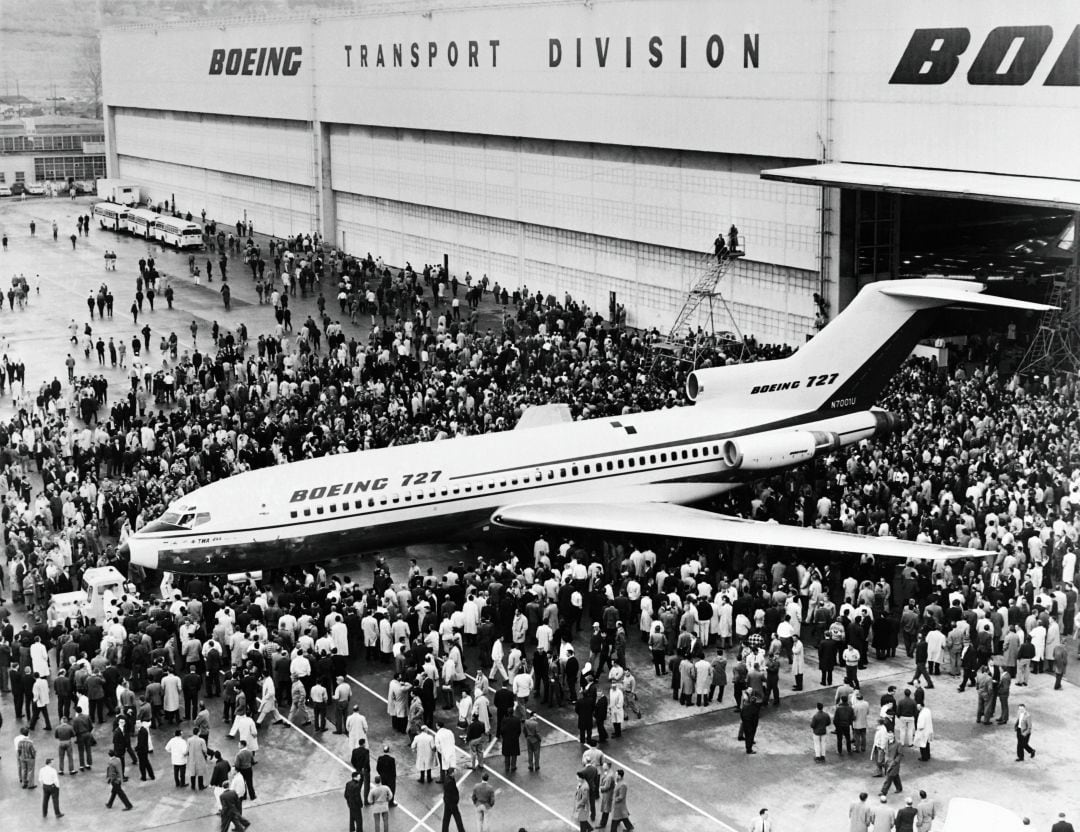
(111, 217)
(177, 232)
(140, 222)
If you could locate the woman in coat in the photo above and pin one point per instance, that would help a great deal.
(581, 803)
(924, 732)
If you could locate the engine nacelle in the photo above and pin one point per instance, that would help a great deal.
(761, 453)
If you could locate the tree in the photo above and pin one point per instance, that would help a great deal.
(88, 67)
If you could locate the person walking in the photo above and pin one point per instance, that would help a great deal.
(49, 779)
(245, 767)
(894, 755)
(114, 776)
(232, 812)
(354, 799)
(483, 798)
(819, 726)
(1023, 733)
(451, 809)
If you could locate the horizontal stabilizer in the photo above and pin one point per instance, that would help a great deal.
(544, 415)
(957, 294)
(679, 521)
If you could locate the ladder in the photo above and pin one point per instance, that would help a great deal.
(702, 300)
(1056, 345)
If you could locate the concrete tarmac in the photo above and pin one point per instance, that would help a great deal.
(685, 769)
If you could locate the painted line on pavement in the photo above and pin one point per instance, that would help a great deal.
(648, 780)
(490, 771)
(460, 780)
(419, 823)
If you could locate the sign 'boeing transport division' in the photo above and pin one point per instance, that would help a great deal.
(960, 86)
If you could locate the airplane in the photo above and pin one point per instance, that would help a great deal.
(638, 474)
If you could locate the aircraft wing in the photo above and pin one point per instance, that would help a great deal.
(680, 521)
(544, 415)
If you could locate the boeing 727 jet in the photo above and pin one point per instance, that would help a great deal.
(636, 474)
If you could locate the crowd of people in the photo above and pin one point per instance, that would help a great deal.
(985, 462)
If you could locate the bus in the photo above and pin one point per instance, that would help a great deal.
(140, 222)
(177, 232)
(111, 217)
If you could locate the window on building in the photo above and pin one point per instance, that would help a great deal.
(20, 176)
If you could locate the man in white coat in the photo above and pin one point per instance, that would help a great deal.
(357, 727)
(446, 749)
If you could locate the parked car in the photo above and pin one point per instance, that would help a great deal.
(35, 189)
(5, 190)
(18, 188)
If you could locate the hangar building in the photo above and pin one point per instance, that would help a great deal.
(598, 147)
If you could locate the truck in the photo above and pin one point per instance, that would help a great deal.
(118, 191)
(100, 586)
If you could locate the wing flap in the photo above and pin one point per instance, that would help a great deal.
(679, 521)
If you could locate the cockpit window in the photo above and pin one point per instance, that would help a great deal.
(191, 519)
(170, 517)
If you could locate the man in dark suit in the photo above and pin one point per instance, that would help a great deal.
(386, 768)
(451, 799)
(1062, 825)
(354, 799)
(361, 762)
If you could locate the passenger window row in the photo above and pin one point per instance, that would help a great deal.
(575, 470)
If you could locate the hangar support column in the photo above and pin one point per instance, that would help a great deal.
(325, 214)
(324, 217)
(112, 164)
